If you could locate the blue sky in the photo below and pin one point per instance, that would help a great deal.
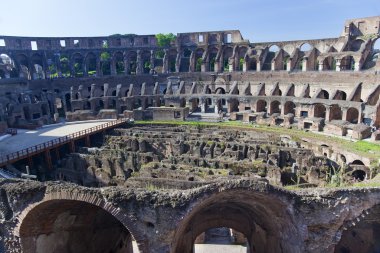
(264, 20)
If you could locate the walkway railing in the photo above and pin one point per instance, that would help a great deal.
(27, 152)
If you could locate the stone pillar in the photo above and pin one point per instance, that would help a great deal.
(204, 67)
(360, 116)
(92, 91)
(344, 114)
(216, 107)
(320, 65)
(289, 65)
(230, 64)
(165, 62)
(106, 88)
(217, 66)
(152, 58)
(245, 66)
(304, 64)
(273, 65)
(203, 105)
(337, 62)
(113, 67)
(126, 64)
(99, 71)
(139, 63)
(258, 66)
(178, 61)
(328, 109)
(192, 62)
(357, 66)
(72, 93)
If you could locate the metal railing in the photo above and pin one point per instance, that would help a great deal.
(23, 153)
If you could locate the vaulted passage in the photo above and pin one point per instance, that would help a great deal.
(261, 220)
(66, 226)
(364, 236)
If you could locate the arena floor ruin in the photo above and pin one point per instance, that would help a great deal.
(210, 143)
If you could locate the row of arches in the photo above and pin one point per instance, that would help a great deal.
(213, 59)
(264, 219)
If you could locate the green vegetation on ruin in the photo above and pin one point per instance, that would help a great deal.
(363, 148)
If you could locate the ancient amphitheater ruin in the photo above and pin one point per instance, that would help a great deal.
(205, 139)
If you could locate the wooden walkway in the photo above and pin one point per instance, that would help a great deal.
(39, 148)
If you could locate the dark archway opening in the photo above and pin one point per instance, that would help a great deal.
(73, 226)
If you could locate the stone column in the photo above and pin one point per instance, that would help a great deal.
(92, 91)
(216, 108)
(328, 109)
(344, 114)
(178, 61)
(304, 64)
(126, 64)
(152, 59)
(165, 62)
(203, 105)
(360, 116)
(357, 66)
(139, 63)
(99, 71)
(289, 65)
(337, 62)
(320, 65)
(113, 67)
(258, 66)
(192, 62)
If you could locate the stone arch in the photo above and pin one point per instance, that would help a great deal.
(275, 107)
(329, 63)
(319, 111)
(132, 63)
(77, 64)
(9, 62)
(242, 51)
(185, 60)
(361, 233)
(347, 63)
(118, 58)
(352, 115)
(146, 63)
(356, 162)
(335, 112)
(220, 90)
(271, 53)
(251, 63)
(289, 107)
(23, 63)
(323, 94)
(305, 47)
(340, 95)
(90, 64)
(254, 215)
(227, 54)
(198, 59)
(58, 205)
(213, 52)
(356, 45)
(37, 62)
(261, 106)
(172, 59)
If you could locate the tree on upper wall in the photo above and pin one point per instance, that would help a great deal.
(65, 68)
(164, 40)
(105, 58)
